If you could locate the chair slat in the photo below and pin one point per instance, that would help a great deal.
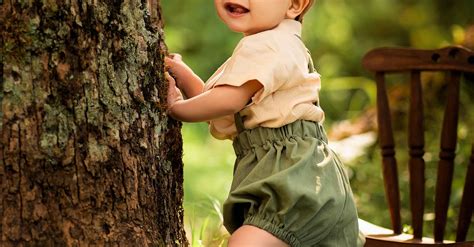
(416, 142)
(447, 155)
(467, 203)
(387, 145)
(456, 61)
(406, 59)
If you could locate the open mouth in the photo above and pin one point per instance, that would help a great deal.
(236, 9)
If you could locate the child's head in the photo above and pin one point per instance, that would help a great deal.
(254, 16)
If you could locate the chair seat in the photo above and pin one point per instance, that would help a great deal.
(379, 236)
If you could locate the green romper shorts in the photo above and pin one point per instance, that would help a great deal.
(288, 182)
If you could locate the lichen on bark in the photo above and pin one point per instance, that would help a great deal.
(87, 153)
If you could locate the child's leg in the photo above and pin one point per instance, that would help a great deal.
(251, 236)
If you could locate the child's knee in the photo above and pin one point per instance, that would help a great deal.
(251, 236)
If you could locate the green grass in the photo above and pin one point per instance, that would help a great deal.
(208, 166)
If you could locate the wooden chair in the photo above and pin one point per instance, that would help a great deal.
(457, 61)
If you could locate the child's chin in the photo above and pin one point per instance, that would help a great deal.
(237, 30)
(241, 30)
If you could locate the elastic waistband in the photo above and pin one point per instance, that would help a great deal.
(257, 137)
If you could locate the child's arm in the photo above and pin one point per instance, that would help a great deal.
(214, 103)
(186, 79)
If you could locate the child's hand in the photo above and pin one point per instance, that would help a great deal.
(174, 63)
(174, 94)
(186, 79)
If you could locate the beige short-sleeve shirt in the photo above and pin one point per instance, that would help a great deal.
(279, 60)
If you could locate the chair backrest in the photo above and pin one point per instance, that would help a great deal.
(457, 61)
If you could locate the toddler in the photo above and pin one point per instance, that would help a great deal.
(289, 188)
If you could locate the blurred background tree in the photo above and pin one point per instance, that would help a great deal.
(338, 33)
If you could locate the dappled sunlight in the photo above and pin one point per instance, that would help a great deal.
(338, 34)
(353, 147)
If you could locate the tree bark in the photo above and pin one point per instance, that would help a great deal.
(88, 155)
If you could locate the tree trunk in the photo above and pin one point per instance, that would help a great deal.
(88, 155)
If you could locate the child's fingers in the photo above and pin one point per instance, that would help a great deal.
(176, 56)
(174, 94)
(170, 79)
(171, 84)
(173, 59)
(169, 62)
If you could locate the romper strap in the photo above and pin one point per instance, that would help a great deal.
(311, 68)
(310, 60)
(239, 123)
(310, 63)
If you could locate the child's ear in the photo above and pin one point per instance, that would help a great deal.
(297, 7)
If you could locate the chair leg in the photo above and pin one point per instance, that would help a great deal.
(467, 203)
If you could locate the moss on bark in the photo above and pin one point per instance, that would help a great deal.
(87, 153)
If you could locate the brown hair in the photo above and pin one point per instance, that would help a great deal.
(300, 17)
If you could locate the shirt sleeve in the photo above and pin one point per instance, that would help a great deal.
(255, 58)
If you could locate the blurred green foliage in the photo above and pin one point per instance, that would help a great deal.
(338, 33)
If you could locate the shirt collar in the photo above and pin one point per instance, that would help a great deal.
(290, 26)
